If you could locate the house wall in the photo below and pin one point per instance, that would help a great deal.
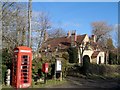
(102, 55)
(94, 60)
(79, 58)
(86, 52)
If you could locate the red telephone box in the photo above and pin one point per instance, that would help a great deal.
(45, 67)
(22, 67)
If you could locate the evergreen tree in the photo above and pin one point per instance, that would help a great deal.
(73, 54)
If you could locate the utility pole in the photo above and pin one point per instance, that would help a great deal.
(29, 22)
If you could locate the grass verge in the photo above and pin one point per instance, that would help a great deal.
(49, 83)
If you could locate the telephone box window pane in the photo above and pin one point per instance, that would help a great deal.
(25, 67)
(25, 56)
(24, 70)
(25, 81)
(25, 60)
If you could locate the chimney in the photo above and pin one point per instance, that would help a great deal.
(68, 34)
(73, 38)
(93, 38)
(45, 36)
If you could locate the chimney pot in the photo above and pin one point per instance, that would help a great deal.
(73, 38)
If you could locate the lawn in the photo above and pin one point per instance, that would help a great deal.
(48, 84)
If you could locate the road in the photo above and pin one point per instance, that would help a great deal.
(74, 82)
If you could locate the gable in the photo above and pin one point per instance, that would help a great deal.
(86, 38)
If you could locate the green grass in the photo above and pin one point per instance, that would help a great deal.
(5, 86)
(113, 75)
(48, 84)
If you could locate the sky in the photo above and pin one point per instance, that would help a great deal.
(61, 0)
(78, 15)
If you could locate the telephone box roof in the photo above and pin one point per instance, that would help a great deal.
(23, 48)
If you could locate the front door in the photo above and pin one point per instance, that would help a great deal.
(99, 60)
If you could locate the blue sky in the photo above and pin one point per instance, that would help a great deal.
(78, 16)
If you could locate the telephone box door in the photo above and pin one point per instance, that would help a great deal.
(25, 65)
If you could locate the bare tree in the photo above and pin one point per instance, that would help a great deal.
(117, 41)
(57, 32)
(29, 22)
(116, 34)
(101, 30)
(13, 24)
(41, 24)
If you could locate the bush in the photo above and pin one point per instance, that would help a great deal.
(112, 58)
(74, 69)
(37, 69)
(64, 65)
(65, 56)
(7, 58)
(4, 69)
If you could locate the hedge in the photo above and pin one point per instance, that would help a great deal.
(105, 70)
(95, 69)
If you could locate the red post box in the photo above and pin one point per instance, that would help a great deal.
(22, 67)
(45, 67)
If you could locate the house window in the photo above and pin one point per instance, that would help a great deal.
(99, 59)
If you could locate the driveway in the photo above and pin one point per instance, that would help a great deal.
(74, 82)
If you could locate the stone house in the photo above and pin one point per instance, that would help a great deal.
(87, 46)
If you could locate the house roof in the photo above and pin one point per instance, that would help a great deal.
(63, 42)
(94, 45)
(95, 54)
